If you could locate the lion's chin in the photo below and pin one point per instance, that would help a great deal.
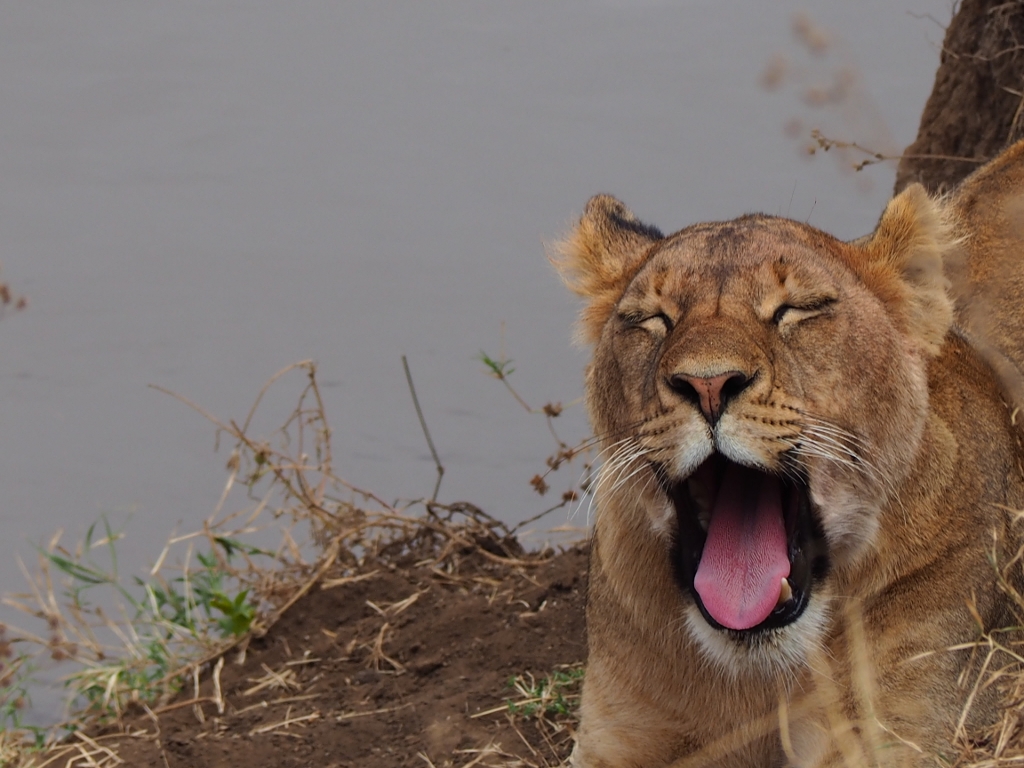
(749, 546)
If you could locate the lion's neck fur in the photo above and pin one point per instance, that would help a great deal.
(915, 531)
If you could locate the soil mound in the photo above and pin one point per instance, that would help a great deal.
(472, 665)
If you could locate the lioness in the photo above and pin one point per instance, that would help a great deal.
(809, 481)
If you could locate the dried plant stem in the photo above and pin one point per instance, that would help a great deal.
(426, 432)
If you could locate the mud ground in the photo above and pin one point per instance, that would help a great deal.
(392, 669)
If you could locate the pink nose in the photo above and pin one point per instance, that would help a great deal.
(711, 393)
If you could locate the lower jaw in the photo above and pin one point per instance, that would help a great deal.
(783, 615)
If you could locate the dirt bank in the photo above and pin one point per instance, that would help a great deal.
(391, 667)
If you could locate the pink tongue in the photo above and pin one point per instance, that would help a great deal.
(745, 557)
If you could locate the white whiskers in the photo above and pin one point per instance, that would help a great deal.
(828, 441)
(621, 467)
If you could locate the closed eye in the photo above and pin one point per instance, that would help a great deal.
(659, 323)
(802, 311)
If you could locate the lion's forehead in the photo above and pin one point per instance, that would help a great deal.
(759, 263)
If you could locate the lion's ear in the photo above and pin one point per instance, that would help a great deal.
(600, 256)
(903, 264)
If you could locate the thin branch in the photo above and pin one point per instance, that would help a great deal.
(426, 432)
(567, 498)
(826, 143)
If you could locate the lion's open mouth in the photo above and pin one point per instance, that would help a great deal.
(750, 546)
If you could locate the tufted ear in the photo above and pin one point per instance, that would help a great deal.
(902, 262)
(600, 256)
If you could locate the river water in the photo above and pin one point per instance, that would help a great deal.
(195, 194)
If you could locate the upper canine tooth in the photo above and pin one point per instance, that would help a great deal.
(785, 592)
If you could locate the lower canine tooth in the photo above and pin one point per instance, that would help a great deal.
(785, 592)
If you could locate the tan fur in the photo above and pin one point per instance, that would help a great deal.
(987, 273)
(895, 418)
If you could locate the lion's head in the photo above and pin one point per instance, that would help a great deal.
(761, 386)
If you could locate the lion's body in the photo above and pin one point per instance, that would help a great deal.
(822, 384)
(986, 273)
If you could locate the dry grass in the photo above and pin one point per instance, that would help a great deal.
(550, 704)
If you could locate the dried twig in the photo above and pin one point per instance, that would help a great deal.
(426, 432)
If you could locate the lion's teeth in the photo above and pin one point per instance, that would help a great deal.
(785, 592)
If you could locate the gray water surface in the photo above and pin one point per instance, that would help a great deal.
(195, 194)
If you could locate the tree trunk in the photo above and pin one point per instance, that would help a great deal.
(976, 106)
